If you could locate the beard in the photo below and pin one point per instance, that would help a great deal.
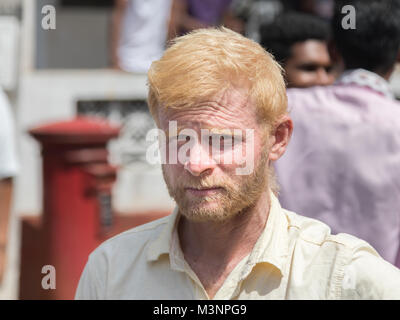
(235, 196)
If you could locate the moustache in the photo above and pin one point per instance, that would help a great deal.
(204, 184)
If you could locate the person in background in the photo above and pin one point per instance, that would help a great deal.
(138, 33)
(253, 13)
(8, 169)
(320, 8)
(343, 164)
(299, 42)
(188, 15)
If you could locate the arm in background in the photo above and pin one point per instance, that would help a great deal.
(116, 25)
(6, 186)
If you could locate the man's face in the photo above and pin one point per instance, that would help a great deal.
(205, 187)
(309, 65)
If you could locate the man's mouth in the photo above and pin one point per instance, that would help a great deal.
(203, 191)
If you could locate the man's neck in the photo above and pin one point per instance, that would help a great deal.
(214, 249)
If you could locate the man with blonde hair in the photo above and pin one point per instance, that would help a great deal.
(213, 95)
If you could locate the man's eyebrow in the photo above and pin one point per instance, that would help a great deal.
(313, 64)
(308, 65)
(220, 131)
(179, 128)
(235, 134)
(211, 130)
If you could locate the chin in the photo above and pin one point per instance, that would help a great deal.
(207, 212)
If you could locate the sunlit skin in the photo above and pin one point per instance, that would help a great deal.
(309, 65)
(214, 245)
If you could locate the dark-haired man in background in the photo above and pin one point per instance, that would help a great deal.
(299, 42)
(343, 163)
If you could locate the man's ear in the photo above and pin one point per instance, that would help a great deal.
(280, 138)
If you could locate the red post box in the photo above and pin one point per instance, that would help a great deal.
(77, 181)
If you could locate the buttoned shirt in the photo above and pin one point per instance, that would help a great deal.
(294, 258)
(342, 165)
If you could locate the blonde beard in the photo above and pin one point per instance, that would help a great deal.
(236, 198)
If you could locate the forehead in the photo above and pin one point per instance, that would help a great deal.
(230, 109)
(311, 51)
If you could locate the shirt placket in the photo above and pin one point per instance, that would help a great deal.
(179, 263)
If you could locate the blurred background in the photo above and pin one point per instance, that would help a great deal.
(88, 58)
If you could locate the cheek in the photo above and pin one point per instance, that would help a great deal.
(171, 172)
(247, 155)
(303, 76)
(261, 149)
(294, 74)
(230, 157)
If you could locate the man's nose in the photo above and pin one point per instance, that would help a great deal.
(199, 161)
(324, 78)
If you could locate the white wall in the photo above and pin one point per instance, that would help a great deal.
(51, 95)
(47, 96)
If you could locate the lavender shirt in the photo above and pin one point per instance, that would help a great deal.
(208, 11)
(342, 165)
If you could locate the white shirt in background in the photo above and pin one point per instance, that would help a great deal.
(143, 34)
(8, 159)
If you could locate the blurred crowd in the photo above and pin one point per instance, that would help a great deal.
(295, 32)
(343, 163)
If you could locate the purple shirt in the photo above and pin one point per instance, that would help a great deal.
(208, 11)
(342, 165)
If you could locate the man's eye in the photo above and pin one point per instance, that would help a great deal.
(217, 139)
(221, 140)
(183, 137)
(308, 67)
(329, 69)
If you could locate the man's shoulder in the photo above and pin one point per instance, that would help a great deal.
(132, 240)
(356, 270)
(337, 109)
(311, 97)
(108, 271)
(338, 98)
(318, 233)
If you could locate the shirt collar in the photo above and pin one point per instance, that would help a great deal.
(162, 243)
(273, 244)
(365, 78)
(271, 247)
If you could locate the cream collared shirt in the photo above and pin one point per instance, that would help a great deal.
(294, 258)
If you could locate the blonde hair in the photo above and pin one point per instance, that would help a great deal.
(200, 64)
